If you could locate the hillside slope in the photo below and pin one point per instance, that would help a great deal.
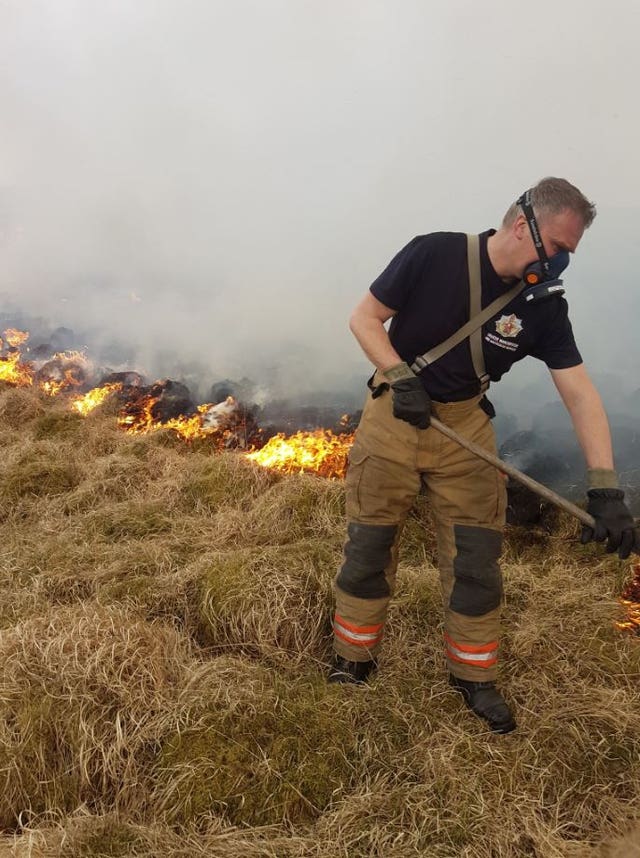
(164, 630)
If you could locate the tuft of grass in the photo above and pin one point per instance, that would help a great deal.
(57, 424)
(85, 835)
(109, 838)
(212, 482)
(19, 407)
(259, 752)
(272, 601)
(39, 472)
(112, 477)
(300, 507)
(84, 690)
(132, 520)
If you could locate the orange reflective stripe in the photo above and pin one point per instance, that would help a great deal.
(359, 629)
(490, 647)
(354, 641)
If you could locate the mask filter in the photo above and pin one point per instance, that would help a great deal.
(543, 284)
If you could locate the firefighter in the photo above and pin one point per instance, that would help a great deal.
(463, 310)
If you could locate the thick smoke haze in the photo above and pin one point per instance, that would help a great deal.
(215, 185)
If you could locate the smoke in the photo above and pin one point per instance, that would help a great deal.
(208, 188)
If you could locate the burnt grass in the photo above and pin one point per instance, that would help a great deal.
(164, 635)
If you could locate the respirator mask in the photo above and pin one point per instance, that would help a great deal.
(542, 276)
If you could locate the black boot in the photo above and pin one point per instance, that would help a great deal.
(343, 670)
(485, 700)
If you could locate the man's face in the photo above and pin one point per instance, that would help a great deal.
(561, 231)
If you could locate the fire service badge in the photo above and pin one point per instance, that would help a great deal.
(509, 326)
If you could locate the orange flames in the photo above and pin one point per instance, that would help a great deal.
(140, 420)
(226, 424)
(319, 452)
(13, 371)
(630, 601)
(16, 338)
(88, 401)
(63, 371)
(188, 428)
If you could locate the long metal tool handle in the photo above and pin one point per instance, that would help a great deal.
(530, 483)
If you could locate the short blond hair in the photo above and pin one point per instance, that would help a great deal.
(552, 196)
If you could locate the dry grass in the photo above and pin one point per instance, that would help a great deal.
(83, 690)
(248, 598)
(164, 629)
(19, 407)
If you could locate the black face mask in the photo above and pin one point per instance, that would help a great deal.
(541, 276)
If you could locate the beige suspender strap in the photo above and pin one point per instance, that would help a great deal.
(475, 308)
(477, 319)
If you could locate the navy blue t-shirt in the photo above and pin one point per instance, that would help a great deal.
(427, 283)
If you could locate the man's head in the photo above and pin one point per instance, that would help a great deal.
(552, 196)
(562, 213)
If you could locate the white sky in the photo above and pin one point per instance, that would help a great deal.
(245, 169)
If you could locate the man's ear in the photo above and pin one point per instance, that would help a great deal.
(520, 227)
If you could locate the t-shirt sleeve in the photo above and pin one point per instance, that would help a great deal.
(556, 345)
(396, 282)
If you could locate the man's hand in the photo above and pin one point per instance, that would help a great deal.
(410, 400)
(614, 522)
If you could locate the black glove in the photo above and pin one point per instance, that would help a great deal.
(614, 522)
(411, 402)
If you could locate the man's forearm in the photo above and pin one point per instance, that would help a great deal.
(374, 341)
(585, 407)
(592, 430)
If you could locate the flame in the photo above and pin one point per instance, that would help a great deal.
(228, 424)
(88, 401)
(13, 371)
(319, 452)
(630, 601)
(211, 420)
(62, 372)
(137, 418)
(188, 427)
(16, 338)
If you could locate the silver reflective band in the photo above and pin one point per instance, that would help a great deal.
(472, 656)
(357, 636)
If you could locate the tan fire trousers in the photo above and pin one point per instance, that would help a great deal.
(389, 463)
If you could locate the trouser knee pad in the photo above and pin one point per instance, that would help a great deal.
(367, 554)
(477, 585)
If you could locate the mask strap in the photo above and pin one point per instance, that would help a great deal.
(525, 204)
